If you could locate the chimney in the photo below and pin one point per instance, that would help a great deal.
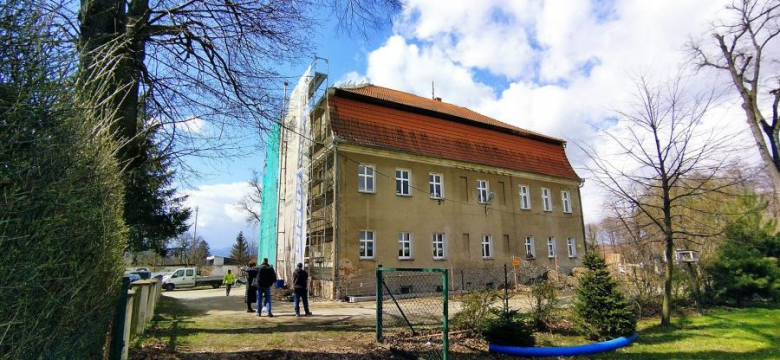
(437, 99)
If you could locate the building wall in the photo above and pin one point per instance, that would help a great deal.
(461, 218)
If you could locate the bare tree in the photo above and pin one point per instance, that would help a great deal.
(250, 203)
(745, 47)
(659, 157)
(177, 62)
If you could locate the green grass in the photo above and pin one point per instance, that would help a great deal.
(721, 334)
(752, 333)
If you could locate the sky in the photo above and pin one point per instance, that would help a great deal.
(559, 67)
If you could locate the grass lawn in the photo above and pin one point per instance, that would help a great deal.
(180, 332)
(721, 334)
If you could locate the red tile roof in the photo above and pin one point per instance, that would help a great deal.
(389, 119)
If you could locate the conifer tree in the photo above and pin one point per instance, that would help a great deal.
(601, 311)
(240, 251)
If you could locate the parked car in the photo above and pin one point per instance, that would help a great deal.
(187, 277)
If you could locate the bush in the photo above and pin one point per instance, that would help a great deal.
(507, 328)
(601, 311)
(544, 299)
(747, 268)
(476, 309)
(61, 228)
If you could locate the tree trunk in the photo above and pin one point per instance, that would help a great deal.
(111, 57)
(666, 315)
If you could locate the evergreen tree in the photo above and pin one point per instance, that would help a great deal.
(601, 310)
(154, 212)
(747, 268)
(240, 251)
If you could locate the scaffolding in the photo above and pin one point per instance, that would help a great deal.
(304, 209)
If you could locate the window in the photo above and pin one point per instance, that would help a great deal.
(546, 200)
(366, 178)
(551, 247)
(179, 273)
(190, 272)
(525, 197)
(402, 184)
(404, 245)
(436, 186)
(572, 245)
(482, 191)
(487, 246)
(565, 198)
(366, 244)
(530, 247)
(438, 246)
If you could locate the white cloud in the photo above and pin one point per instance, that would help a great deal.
(194, 125)
(218, 220)
(352, 77)
(561, 65)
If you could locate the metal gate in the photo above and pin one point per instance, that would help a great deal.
(411, 311)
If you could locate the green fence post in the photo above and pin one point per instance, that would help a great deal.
(118, 329)
(446, 327)
(379, 303)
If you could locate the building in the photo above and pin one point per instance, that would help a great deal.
(404, 181)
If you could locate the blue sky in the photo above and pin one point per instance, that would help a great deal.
(559, 67)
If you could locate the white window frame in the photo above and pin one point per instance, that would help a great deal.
(566, 201)
(487, 244)
(546, 199)
(525, 197)
(408, 181)
(571, 244)
(439, 238)
(483, 193)
(433, 184)
(530, 247)
(364, 179)
(364, 241)
(404, 238)
(551, 248)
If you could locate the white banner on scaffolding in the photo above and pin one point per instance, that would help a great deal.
(298, 142)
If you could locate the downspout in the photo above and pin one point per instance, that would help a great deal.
(582, 216)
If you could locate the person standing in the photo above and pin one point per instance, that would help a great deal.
(300, 290)
(250, 297)
(266, 276)
(229, 280)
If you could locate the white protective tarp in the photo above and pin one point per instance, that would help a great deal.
(296, 129)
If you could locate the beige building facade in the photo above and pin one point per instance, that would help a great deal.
(398, 205)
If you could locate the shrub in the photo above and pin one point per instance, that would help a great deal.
(601, 311)
(507, 328)
(476, 308)
(747, 268)
(544, 299)
(61, 228)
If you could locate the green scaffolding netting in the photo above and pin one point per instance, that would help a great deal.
(266, 247)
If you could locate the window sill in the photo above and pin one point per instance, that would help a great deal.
(526, 209)
(573, 257)
(488, 258)
(436, 198)
(548, 211)
(551, 257)
(440, 259)
(367, 259)
(403, 195)
(530, 257)
(405, 259)
(366, 192)
(567, 212)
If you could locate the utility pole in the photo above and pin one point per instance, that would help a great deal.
(195, 235)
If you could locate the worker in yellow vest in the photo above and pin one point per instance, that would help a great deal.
(229, 280)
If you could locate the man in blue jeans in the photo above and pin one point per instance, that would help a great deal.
(300, 288)
(266, 276)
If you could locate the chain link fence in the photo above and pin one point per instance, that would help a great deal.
(412, 311)
(412, 303)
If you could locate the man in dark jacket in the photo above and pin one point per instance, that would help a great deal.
(250, 297)
(266, 276)
(300, 291)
